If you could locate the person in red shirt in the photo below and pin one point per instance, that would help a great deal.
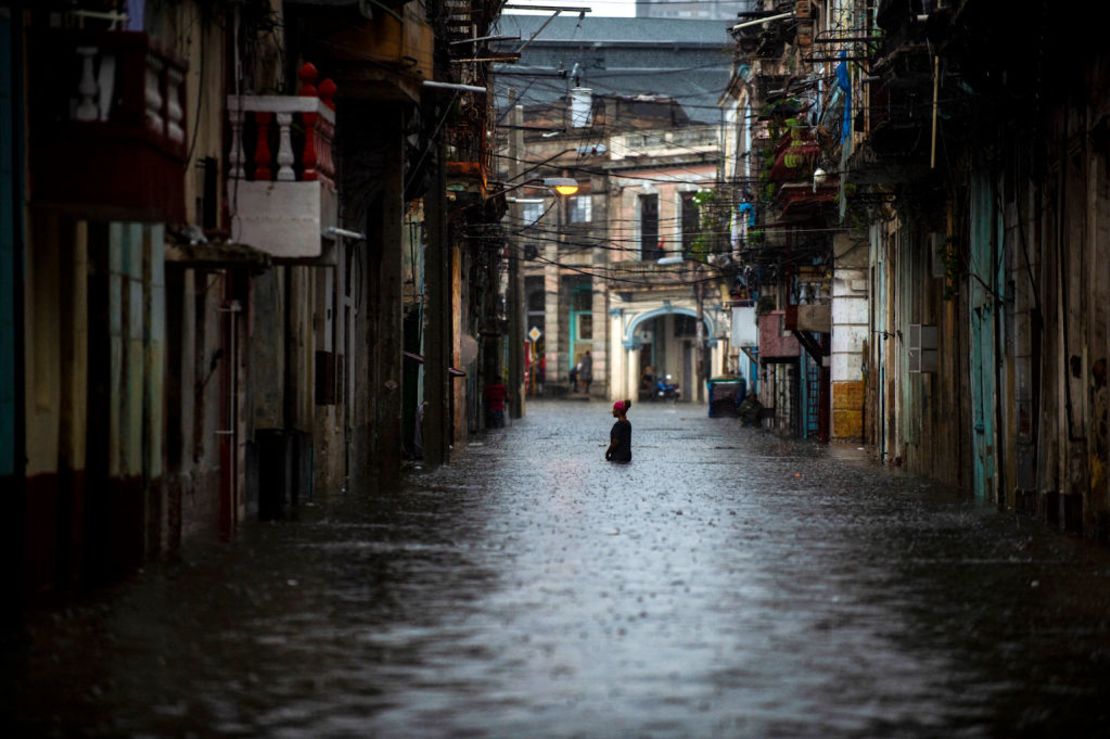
(495, 395)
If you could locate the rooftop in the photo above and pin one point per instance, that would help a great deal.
(687, 60)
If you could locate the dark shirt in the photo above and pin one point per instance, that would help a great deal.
(621, 438)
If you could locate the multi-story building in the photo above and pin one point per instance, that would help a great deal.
(716, 10)
(782, 131)
(593, 281)
(961, 178)
(235, 261)
(623, 116)
(687, 60)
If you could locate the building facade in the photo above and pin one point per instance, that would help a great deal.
(593, 278)
(965, 339)
(238, 267)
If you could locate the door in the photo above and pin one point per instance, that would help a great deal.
(983, 285)
(581, 324)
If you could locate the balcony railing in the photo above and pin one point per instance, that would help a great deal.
(281, 168)
(109, 124)
(795, 153)
(687, 140)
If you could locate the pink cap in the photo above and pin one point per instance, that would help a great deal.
(619, 406)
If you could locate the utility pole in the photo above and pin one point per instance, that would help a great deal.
(516, 274)
(704, 371)
(437, 355)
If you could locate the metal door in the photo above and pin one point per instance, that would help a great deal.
(983, 284)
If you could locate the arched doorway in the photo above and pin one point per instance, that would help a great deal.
(663, 342)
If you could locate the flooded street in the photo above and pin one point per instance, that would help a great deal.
(725, 583)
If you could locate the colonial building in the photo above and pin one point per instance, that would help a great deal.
(592, 273)
(645, 165)
(236, 262)
(960, 181)
(781, 131)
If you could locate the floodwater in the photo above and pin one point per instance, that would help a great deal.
(725, 583)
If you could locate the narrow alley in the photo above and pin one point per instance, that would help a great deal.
(725, 583)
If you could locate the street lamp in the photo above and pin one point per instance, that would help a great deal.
(563, 187)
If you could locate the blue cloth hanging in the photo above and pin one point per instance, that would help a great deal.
(748, 208)
(844, 82)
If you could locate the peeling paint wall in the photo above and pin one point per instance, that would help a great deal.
(849, 336)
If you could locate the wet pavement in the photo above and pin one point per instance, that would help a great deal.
(725, 583)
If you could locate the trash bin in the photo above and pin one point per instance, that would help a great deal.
(725, 396)
(275, 472)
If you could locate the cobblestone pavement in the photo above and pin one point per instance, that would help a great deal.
(725, 583)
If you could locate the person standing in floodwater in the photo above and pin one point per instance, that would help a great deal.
(620, 438)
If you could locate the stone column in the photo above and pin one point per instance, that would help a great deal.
(555, 372)
(633, 374)
(850, 330)
(600, 345)
(616, 368)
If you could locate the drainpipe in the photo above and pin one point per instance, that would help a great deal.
(19, 452)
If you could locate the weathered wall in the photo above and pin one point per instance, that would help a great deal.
(194, 355)
(849, 336)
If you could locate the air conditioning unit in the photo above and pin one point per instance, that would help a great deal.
(922, 348)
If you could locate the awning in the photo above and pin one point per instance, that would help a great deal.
(419, 359)
(217, 255)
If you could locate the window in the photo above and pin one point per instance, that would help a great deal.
(691, 221)
(585, 327)
(650, 248)
(582, 305)
(536, 299)
(581, 208)
(532, 212)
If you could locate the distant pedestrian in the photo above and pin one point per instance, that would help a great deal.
(574, 379)
(586, 371)
(495, 395)
(620, 437)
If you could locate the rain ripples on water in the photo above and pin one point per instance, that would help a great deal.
(725, 583)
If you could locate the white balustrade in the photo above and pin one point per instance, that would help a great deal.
(283, 196)
(106, 82)
(111, 71)
(175, 113)
(286, 112)
(235, 156)
(87, 108)
(285, 148)
(153, 100)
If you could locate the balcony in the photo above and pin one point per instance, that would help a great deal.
(281, 172)
(108, 133)
(687, 140)
(468, 159)
(816, 317)
(776, 344)
(798, 201)
(795, 154)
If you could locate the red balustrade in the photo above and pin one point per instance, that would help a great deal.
(302, 126)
